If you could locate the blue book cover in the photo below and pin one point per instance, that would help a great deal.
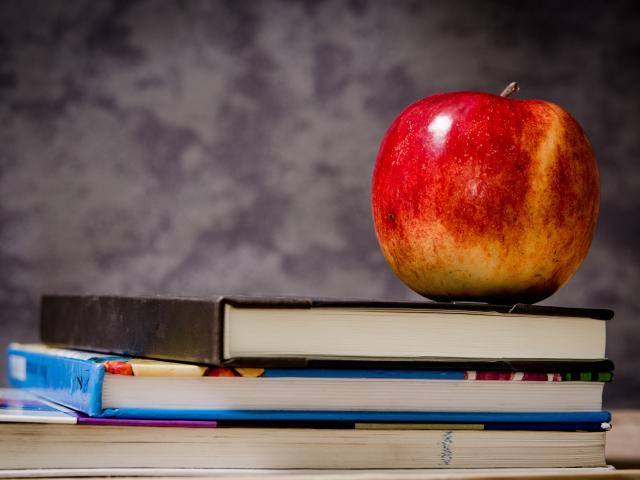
(75, 379)
(70, 378)
(18, 405)
(494, 418)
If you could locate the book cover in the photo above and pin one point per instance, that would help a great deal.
(21, 406)
(193, 329)
(561, 420)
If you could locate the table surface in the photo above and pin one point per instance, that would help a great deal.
(623, 441)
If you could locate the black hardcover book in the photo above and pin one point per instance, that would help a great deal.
(329, 333)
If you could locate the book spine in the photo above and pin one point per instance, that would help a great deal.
(73, 382)
(188, 330)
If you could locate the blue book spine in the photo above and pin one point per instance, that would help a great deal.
(72, 381)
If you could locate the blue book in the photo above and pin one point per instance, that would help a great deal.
(20, 406)
(111, 386)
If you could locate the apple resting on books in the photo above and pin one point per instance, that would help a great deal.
(482, 197)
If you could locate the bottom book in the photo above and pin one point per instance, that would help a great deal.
(41, 445)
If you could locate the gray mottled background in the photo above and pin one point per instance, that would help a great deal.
(198, 147)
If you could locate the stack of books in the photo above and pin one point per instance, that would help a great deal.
(283, 383)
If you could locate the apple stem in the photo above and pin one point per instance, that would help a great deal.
(510, 89)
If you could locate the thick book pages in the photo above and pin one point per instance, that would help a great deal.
(311, 332)
(112, 386)
(84, 446)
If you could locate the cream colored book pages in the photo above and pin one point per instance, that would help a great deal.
(69, 446)
(333, 331)
(382, 394)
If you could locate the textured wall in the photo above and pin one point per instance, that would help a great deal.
(201, 147)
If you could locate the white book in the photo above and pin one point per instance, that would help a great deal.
(42, 446)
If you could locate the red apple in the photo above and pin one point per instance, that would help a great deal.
(482, 197)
